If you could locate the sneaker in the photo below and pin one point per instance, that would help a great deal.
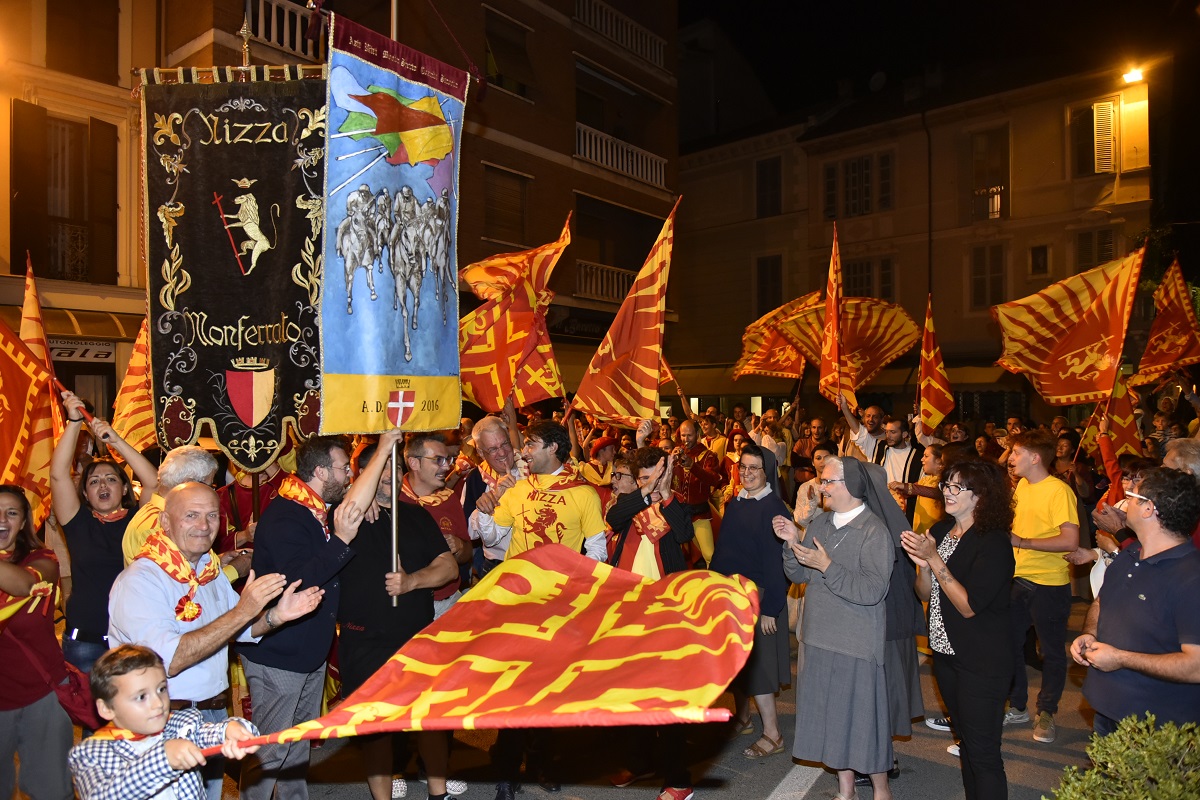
(1014, 716)
(1043, 729)
(625, 777)
(938, 723)
(953, 750)
(399, 788)
(670, 793)
(454, 787)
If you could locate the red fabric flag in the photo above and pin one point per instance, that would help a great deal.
(552, 639)
(833, 381)
(504, 345)
(621, 383)
(766, 351)
(25, 383)
(1068, 338)
(47, 413)
(1122, 424)
(1174, 340)
(133, 409)
(937, 400)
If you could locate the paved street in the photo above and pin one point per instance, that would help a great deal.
(719, 769)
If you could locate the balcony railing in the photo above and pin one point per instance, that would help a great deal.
(616, 27)
(281, 24)
(68, 251)
(612, 153)
(602, 282)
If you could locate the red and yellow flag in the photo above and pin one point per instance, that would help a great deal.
(47, 413)
(1122, 424)
(937, 399)
(133, 409)
(621, 384)
(553, 639)
(835, 378)
(1068, 337)
(504, 345)
(874, 334)
(1174, 340)
(26, 382)
(766, 351)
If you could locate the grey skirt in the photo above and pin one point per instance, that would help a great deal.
(770, 664)
(842, 712)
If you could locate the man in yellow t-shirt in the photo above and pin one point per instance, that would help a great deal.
(1045, 527)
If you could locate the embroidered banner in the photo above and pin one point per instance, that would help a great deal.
(389, 312)
(234, 215)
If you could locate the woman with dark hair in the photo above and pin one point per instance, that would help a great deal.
(966, 567)
(93, 520)
(33, 726)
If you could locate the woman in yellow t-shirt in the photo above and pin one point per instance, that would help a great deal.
(930, 506)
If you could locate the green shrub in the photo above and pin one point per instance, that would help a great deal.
(1138, 761)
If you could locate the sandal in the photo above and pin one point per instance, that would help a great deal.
(757, 750)
(742, 726)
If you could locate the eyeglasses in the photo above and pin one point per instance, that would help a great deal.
(344, 468)
(827, 481)
(440, 460)
(1131, 479)
(953, 489)
(619, 475)
(1141, 497)
(749, 468)
(500, 448)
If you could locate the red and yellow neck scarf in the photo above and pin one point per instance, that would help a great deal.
(111, 732)
(558, 483)
(163, 552)
(490, 476)
(111, 516)
(427, 501)
(292, 488)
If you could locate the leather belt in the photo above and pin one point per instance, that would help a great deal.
(214, 703)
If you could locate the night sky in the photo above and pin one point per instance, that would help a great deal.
(802, 48)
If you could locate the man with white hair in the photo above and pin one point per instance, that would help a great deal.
(493, 442)
(186, 464)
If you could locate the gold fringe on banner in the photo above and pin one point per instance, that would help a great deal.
(251, 74)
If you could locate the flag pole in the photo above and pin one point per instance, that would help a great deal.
(395, 517)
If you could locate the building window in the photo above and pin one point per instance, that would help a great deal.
(504, 201)
(989, 174)
(768, 186)
(1093, 131)
(1039, 261)
(65, 173)
(1093, 248)
(768, 284)
(866, 278)
(987, 276)
(866, 184)
(507, 54)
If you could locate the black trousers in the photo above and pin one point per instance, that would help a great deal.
(976, 706)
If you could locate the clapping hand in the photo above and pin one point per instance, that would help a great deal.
(919, 546)
(812, 557)
(786, 530)
(293, 604)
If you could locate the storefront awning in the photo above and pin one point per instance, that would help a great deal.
(74, 324)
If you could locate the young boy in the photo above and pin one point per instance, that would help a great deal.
(147, 752)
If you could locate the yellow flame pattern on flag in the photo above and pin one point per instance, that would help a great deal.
(47, 417)
(766, 351)
(1174, 340)
(133, 409)
(937, 399)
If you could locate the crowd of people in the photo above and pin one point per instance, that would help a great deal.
(197, 580)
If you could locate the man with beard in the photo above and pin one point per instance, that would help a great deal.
(902, 462)
(286, 671)
(493, 442)
(697, 474)
(868, 435)
(429, 463)
(372, 628)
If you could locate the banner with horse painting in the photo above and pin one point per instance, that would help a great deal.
(233, 224)
(389, 307)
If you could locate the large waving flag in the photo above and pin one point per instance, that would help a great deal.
(553, 639)
(46, 413)
(874, 334)
(133, 410)
(26, 382)
(621, 384)
(766, 351)
(1174, 340)
(1122, 424)
(937, 400)
(1068, 338)
(834, 380)
(504, 347)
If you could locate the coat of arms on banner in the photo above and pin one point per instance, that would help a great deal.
(389, 306)
(234, 220)
(400, 407)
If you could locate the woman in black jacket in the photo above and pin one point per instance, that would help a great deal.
(965, 571)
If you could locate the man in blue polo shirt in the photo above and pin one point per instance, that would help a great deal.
(1143, 648)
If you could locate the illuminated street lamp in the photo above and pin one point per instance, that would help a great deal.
(1133, 76)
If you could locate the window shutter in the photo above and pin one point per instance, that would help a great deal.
(28, 216)
(831, 191)
(102, 202)
(1085, 252)
(504, 206)
(1103, 115)
(1105, 246)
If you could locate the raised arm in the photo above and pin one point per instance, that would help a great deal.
(362, 490)
(63, 496)
(146, 473)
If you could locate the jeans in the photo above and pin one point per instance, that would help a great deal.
(213, 771)
(976, 706)
(82, 655)
(1047, 609)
